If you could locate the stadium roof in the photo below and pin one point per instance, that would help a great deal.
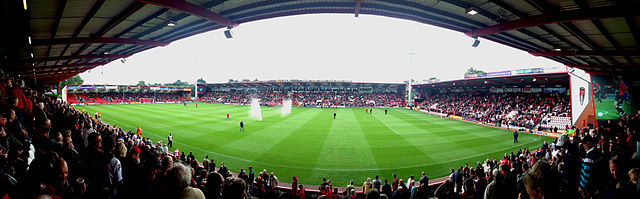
(52, 40)
(527, 80)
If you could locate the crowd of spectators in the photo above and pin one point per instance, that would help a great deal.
(600, 162)
(126, 97)
(528, 109)
(50, 149)
(308, 99)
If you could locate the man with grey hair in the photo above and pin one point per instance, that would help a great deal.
(179, 176)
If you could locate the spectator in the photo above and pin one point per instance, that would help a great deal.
(372, 194)
(179, 176)
(213, 189)
(377, 184)
(350, 187)
(367, 185)
(386, 189)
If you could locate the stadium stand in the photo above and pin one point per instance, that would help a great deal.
(125, 94)
(307, 93)
(307, 99)
(50, 148)
(516, 109)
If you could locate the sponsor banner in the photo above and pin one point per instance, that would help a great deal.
(86, 87)
(530, 70)
(475, 75)
(122, 87)
(544, 133)
(498, 74)
(111, 87)
(73, 87)
(186, 89)
(455, 117)
(468, 119)
(154, 88)
(98, 87)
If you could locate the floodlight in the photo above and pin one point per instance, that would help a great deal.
(472, 11)
(476, 42)
(228, 33)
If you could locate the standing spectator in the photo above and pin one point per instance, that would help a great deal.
(224, 171)
(205, 163)
(367, 185)
(424, 180)
(590, 171)
(410, 180)
(386, 189)
(394, 184)
(377, 184)
(273, 181)
(301, 192)
(169, 139)
(294, 187)
(458, 178)
(350, 187)
(251, 177)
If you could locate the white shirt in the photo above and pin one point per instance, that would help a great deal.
(114, 170)
(170, 138)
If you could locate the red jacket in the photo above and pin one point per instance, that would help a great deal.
(17, 93)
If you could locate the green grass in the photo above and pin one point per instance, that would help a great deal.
(605, 110)
(309, 143)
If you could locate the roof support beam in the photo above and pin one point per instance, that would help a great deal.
(93, 56)
(192, 9)
(635, 31)
(105, 40)
(138, 24)
(133, 8)
(357, 9)
(576, 32)
(559, 17)
(84, 22)
(61, 5)
(544, 28)
(587, 53)
(68, 65)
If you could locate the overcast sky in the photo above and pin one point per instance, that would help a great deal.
(318, 47)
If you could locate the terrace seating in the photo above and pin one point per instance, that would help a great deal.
(552, 122)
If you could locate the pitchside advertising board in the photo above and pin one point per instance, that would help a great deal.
(582, 107)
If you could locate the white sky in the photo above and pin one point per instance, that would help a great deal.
(318, 47)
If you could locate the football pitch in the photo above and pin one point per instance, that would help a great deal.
(310, 144)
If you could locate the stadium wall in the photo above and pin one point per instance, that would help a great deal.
(581, 98)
